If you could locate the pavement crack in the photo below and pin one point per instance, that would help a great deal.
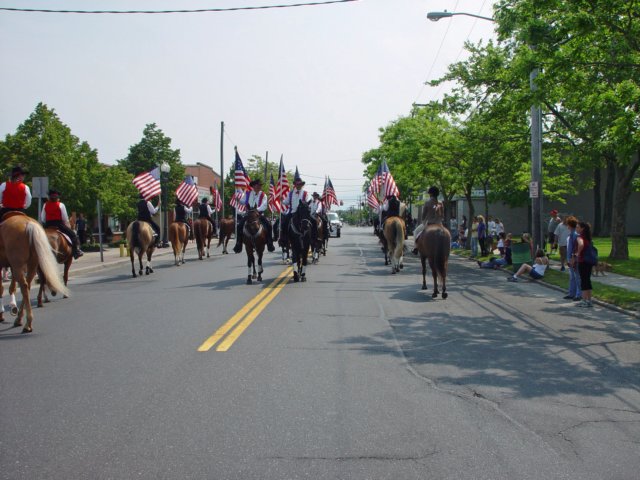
(357, 458)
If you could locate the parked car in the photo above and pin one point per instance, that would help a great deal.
(336, 224)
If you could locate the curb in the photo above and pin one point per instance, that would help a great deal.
(631, 313)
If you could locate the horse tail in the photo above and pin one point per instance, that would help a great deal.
(135, 236)
(441, 252)
(197, 232)
(398, 235)
(46, 260)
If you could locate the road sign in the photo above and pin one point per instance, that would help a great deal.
(40, 187)
(533, 190)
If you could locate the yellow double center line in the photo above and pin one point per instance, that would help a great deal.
(245, 316)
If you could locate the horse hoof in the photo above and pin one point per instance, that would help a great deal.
(424, 287)
(53, 294)
(401, 266)
(134, 275)
(13, 310)
(65, 296)
(259, 278)
(141, 272)
(303, 279)
(27, 330)
(39, 305)
(249, 281)
(445, 294)
(17, 323)
(393, 271)
(434, 295)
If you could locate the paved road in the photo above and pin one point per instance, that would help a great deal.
(355, 374)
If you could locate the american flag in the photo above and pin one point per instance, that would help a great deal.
(241, 180)
(216, 201)
(389, 183)
(372, 200)
(376, 181)
(274, 202)
(329, 194)
(187, 192)
(148, 183)
(282, 187)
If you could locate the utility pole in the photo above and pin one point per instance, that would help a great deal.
(535, 190)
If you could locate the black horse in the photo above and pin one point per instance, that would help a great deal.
(301, 231)
(283, 242)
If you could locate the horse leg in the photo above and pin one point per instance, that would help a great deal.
(65, 276)
(141, 271)
(148, 270)
(423, 260)
(1, 303)
(13, 304)
(444, 281)
(260, 269)
(25, 287)
(303, 266)
(434, 274)
(249, 261)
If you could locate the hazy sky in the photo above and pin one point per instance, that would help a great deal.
(312, 83)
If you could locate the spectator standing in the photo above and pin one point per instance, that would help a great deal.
(492, 234)
(574, 293)
(453, 228)
(499, 227)
(81, 229)
(474, 237)
(554, 221)
(584, 268)
(561, 235)
(482, 235)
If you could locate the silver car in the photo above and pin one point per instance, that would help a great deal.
(336, 224)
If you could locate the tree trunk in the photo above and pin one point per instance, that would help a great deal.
(609, 189)
(625, 174)
(597, 202)
(472, 213)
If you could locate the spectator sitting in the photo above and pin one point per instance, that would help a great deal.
(504, 245)
(536, 271)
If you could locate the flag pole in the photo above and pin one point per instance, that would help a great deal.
(266, 162)
(222, 165)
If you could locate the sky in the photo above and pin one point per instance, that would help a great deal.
(313, 84)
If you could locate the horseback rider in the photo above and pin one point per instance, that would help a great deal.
(292, 201)
(145, 211)
(432, 213)
(317, 210)
(390, 208)
(15, 196)
(254, 199)
(54, 215)
(181, 212)
(205, 211)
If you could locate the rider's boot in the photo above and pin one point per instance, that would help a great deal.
(77, 253)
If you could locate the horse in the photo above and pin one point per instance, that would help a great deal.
(179, 239)
(394, 230)
(282, 241)
(300, 229)
(227, 228)
(318, 244)
(140, 241)
(203, 232)
(254, 237)
(24, 247)
(64, 256)
(434, 243)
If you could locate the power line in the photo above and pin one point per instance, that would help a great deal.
(200, 10)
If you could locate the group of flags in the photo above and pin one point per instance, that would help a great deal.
(382, 183)
(148, 183)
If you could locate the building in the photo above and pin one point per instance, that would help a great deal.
(205, 177)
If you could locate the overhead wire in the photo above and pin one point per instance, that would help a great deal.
(199, 10)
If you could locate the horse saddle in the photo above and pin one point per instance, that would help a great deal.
(63, 235)
(12, 214)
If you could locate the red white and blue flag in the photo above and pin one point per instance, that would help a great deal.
(187, 192)
(148, 183)
(216, 200)
(390, 187)
(372, 200)
(275, 205)
(282, 186)
(383, 182)
(376, 181)
(241, 182)
(329, 194)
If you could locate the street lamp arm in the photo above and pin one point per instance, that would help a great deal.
(435, 16)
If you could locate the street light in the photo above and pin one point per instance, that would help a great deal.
(535, 187)
(165, 168)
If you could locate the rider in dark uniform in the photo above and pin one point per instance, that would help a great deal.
(145, 211)
(54, 215)
(181, 212)
(390, 208)
(205, 211)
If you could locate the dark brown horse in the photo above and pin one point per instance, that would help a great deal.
(141, 242)
(227, 228)
(318, 246)
(254, 237)
(179, 238)
(203, 231)
(64, 256)
(394, 230)
(434, 243)
(24, 247)
(283, 241)
(300, 235)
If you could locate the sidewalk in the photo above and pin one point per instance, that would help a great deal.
(610, 278)
(91, 262)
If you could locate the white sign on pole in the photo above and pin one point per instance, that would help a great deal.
(40, 187)
(533, 190)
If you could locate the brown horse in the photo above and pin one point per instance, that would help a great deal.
(179, 239)
(394, 230)
(64, 256)
(140, 241)
(434, 243)
(254, 237)
(203, 232)
(24, 247)
(318, 245)
(227, 228)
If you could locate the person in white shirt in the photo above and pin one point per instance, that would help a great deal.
(292, 201)
(317, 210)
(254, 199)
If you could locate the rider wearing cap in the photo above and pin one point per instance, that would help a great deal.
(15, 196)
(181, 211)
(145, 211)
(54, 215)
(292, 201)
(318, 210)
(432, 213)
(254, 199)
